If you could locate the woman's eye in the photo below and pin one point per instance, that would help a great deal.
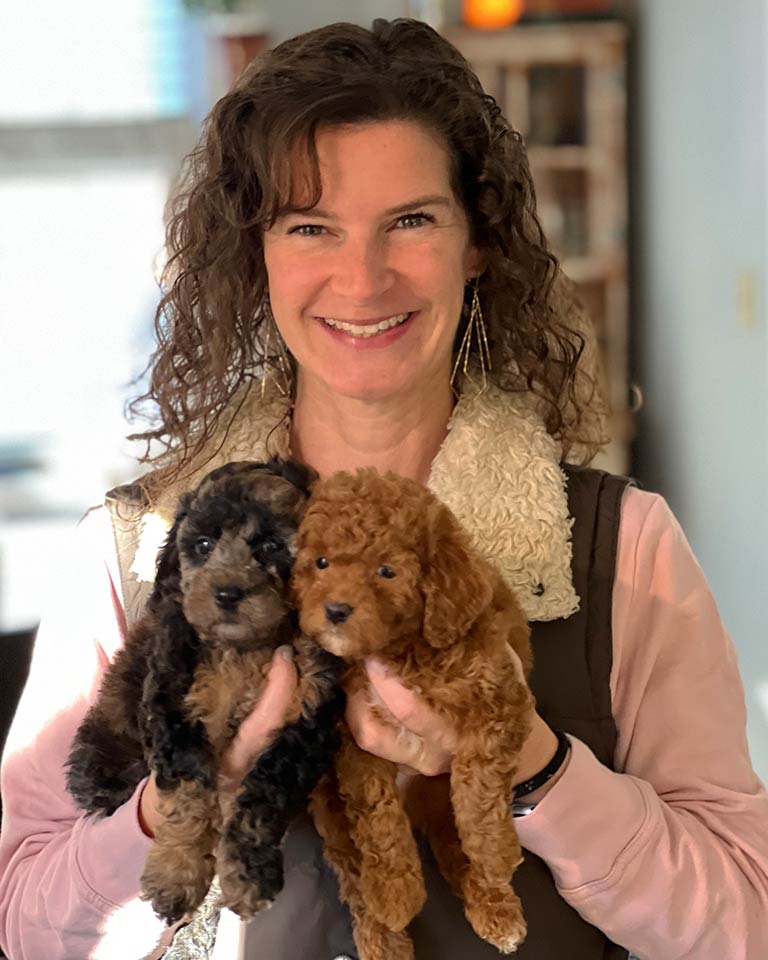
(306, 230)
(203, 546)
(321, 563)
(411, 220)
(386, 572)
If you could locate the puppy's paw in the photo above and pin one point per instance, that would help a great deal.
(241, 897)
(171, 903)
(175, 886)
(250, 877)
(496, 916)
(392, 899)
(374, 940)
(259, 866)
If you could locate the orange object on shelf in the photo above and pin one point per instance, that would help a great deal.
(491, 14)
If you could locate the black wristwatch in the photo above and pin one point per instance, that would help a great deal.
(522, 809)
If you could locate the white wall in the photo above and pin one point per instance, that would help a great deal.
(288, 19)
(701, 354)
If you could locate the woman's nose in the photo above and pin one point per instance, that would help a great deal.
(362, 270)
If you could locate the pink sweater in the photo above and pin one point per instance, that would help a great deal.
(669, 855)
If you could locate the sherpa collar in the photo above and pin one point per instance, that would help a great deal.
(497, 469)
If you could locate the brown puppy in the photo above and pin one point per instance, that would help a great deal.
(384, 568)
(190, 672)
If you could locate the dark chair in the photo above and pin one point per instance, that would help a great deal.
(15, 656)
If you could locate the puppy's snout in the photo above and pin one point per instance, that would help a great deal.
(337, 612)
(228, 597)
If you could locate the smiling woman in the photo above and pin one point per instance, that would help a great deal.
(367, 292)
(357, 225)
(340, 187)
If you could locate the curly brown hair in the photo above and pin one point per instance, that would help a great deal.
(234, 182)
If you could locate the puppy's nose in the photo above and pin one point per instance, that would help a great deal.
(228, 597)
(337, 612)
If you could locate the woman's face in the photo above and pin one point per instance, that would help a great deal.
(367, 287)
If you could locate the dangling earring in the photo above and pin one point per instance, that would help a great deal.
(475, 330)
(270, 330)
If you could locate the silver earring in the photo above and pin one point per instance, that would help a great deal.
(283, 381)
(476, 330)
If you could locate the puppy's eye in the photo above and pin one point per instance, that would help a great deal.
(321, 563)
(203, 546)
(386, 572)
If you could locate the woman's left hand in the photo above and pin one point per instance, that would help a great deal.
(413, 736)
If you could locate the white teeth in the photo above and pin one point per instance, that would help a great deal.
(367, 330)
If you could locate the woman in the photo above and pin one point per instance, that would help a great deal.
(357, 228)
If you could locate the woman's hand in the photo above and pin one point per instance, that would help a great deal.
(410, 734)
(418, 740)
(254, 736)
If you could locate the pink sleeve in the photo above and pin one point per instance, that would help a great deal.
(668, 856)
(69, 885)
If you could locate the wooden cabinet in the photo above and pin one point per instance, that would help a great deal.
(562, 85)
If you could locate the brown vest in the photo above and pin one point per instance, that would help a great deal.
(572, 667)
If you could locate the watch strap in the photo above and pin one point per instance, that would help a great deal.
(545, 775)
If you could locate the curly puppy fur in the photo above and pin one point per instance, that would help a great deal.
(384, 568)
(191, 670)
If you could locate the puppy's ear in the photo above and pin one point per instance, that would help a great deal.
(455, 585)
(177, 748)
(299, 474)
(168, 571)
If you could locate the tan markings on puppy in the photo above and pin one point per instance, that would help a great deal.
(283, 497)
(232, 567)
(315, 683)
(236, 893)
(225, 691)
(180, 864)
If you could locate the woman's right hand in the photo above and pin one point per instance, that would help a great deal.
(254, 736)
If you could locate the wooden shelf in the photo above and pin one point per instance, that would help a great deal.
(591, 269)
(562, 85)
(567, 157)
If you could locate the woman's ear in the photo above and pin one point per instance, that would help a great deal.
(455, 585)
(474, 263)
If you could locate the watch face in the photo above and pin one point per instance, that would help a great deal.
(522, 809)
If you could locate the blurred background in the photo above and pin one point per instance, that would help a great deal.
(647, 128)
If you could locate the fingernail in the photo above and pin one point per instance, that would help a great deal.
(286, 652)
(374, 665)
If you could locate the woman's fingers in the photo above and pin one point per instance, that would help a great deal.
(408, 708)
(517, 663)
(150, 817)
(391, 722)
(266, 718)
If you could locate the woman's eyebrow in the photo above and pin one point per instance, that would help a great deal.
(434, 199)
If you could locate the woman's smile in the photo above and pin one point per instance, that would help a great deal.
(369, 333)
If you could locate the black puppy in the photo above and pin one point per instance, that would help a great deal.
(191, 670)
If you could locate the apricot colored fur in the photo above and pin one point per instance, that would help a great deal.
(444, 624)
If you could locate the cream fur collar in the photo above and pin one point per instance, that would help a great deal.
(498, 470)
